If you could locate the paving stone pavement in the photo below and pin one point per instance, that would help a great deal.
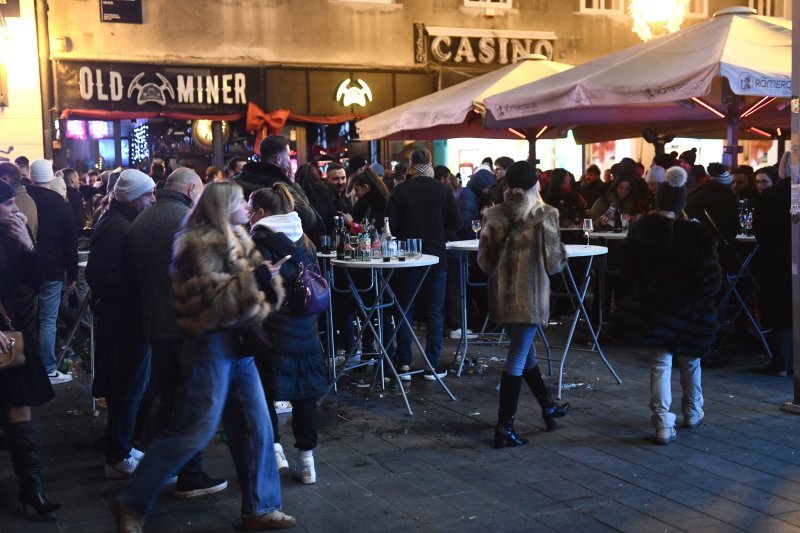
(379, 469)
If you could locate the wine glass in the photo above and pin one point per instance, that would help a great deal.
(476, 227)
(588, 228)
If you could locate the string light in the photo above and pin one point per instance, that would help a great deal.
(140, 150)
(654, 18)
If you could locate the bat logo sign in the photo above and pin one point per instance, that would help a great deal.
(150, 91)
(354, 95)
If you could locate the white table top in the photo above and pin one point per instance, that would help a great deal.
(425, 260)
(581, 250)
(469, 245)
(326, 256)
(745, 238)
(571, 228)
(608, 235)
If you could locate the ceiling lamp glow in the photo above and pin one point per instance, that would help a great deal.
(654, 18)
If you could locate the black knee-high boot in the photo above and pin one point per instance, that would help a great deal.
(24, 447)
(550, 409)
(504, 434)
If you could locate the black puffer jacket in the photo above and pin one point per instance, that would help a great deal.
(294, 370)
(673, 273)
(721, 204)
(373, 206)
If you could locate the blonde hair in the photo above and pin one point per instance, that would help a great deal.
(531, 203)
(214, 207)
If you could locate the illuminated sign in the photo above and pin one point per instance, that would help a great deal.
(478, 47)
(354, 95)
(98, 129)
(76, 129)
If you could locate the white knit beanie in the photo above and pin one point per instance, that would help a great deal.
(655, 174)
(42, 171)
(132, 184)
(60, 186)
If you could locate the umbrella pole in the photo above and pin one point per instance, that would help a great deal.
(730, 156)
(531, 136)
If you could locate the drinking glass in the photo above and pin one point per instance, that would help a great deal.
(625, 219)
(418, 249)
(386, 251)
(325, 244)
(401, 250)
(476, 227)
(412, 248)
(588, 228)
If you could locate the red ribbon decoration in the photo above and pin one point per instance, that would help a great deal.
(263, 123)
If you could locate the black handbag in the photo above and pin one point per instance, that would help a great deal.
(310, 294)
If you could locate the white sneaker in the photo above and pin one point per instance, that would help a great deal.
(456, 334)
(440, 373)
(665, 435)
(403, 370)
(137, 454)
(57, 378)
(280, 458)
(304, 470)
(122, 469)
(283, 407)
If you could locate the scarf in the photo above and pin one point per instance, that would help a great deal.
(288, 224)
(421, 170)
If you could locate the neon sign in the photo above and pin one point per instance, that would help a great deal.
(355, 95)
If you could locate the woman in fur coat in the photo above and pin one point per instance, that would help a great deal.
(222, 287)
(673, 273)
(519, 248)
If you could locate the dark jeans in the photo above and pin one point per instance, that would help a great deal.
(434, 288)
(452, 300)
(166, 382)
(305, 421)
(127, 374)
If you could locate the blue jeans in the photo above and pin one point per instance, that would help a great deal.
(49, 300)
(127, 376)
(521, 351)
(219, 385)
(434, 289)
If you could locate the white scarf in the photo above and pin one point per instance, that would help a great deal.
(288, 224)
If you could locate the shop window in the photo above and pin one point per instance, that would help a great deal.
(498, 4)
(773, 8)
(698, 9)
(602, 7)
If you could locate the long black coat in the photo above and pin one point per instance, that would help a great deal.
(110, 273)
(150, 242)
(373, 206)
(722, 205)
(672, 271)
(20, 276)
(56, 238)
(772, 264)
(294, 369)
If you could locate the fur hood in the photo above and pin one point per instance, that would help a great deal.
(220, 284)
(519, 257)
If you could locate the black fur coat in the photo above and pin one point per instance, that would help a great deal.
(673, 274)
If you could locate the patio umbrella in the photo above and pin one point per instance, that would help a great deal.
(454, 112)
(730, 72)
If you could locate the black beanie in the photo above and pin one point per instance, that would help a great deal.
(6, 192)
(671, 195)
(521, 175)
(690, 156)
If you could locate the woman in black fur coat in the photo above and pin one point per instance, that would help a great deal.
(672, 269)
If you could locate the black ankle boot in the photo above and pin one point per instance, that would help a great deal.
(24, 447)
(504, 434)
(550, 409)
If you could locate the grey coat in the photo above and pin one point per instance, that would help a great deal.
(519, 258)
(150, 246)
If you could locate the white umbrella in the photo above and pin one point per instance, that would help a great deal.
(452, 112)
(727, 71)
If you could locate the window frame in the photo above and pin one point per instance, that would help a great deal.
(490, 4)
(703, 14)
(754, 4)
(619, 10)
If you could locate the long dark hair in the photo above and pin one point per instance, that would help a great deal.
(552, 193)
(367, 176)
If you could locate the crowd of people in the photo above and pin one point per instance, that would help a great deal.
(189, 278)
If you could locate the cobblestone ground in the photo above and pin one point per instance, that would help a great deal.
(381, 470)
